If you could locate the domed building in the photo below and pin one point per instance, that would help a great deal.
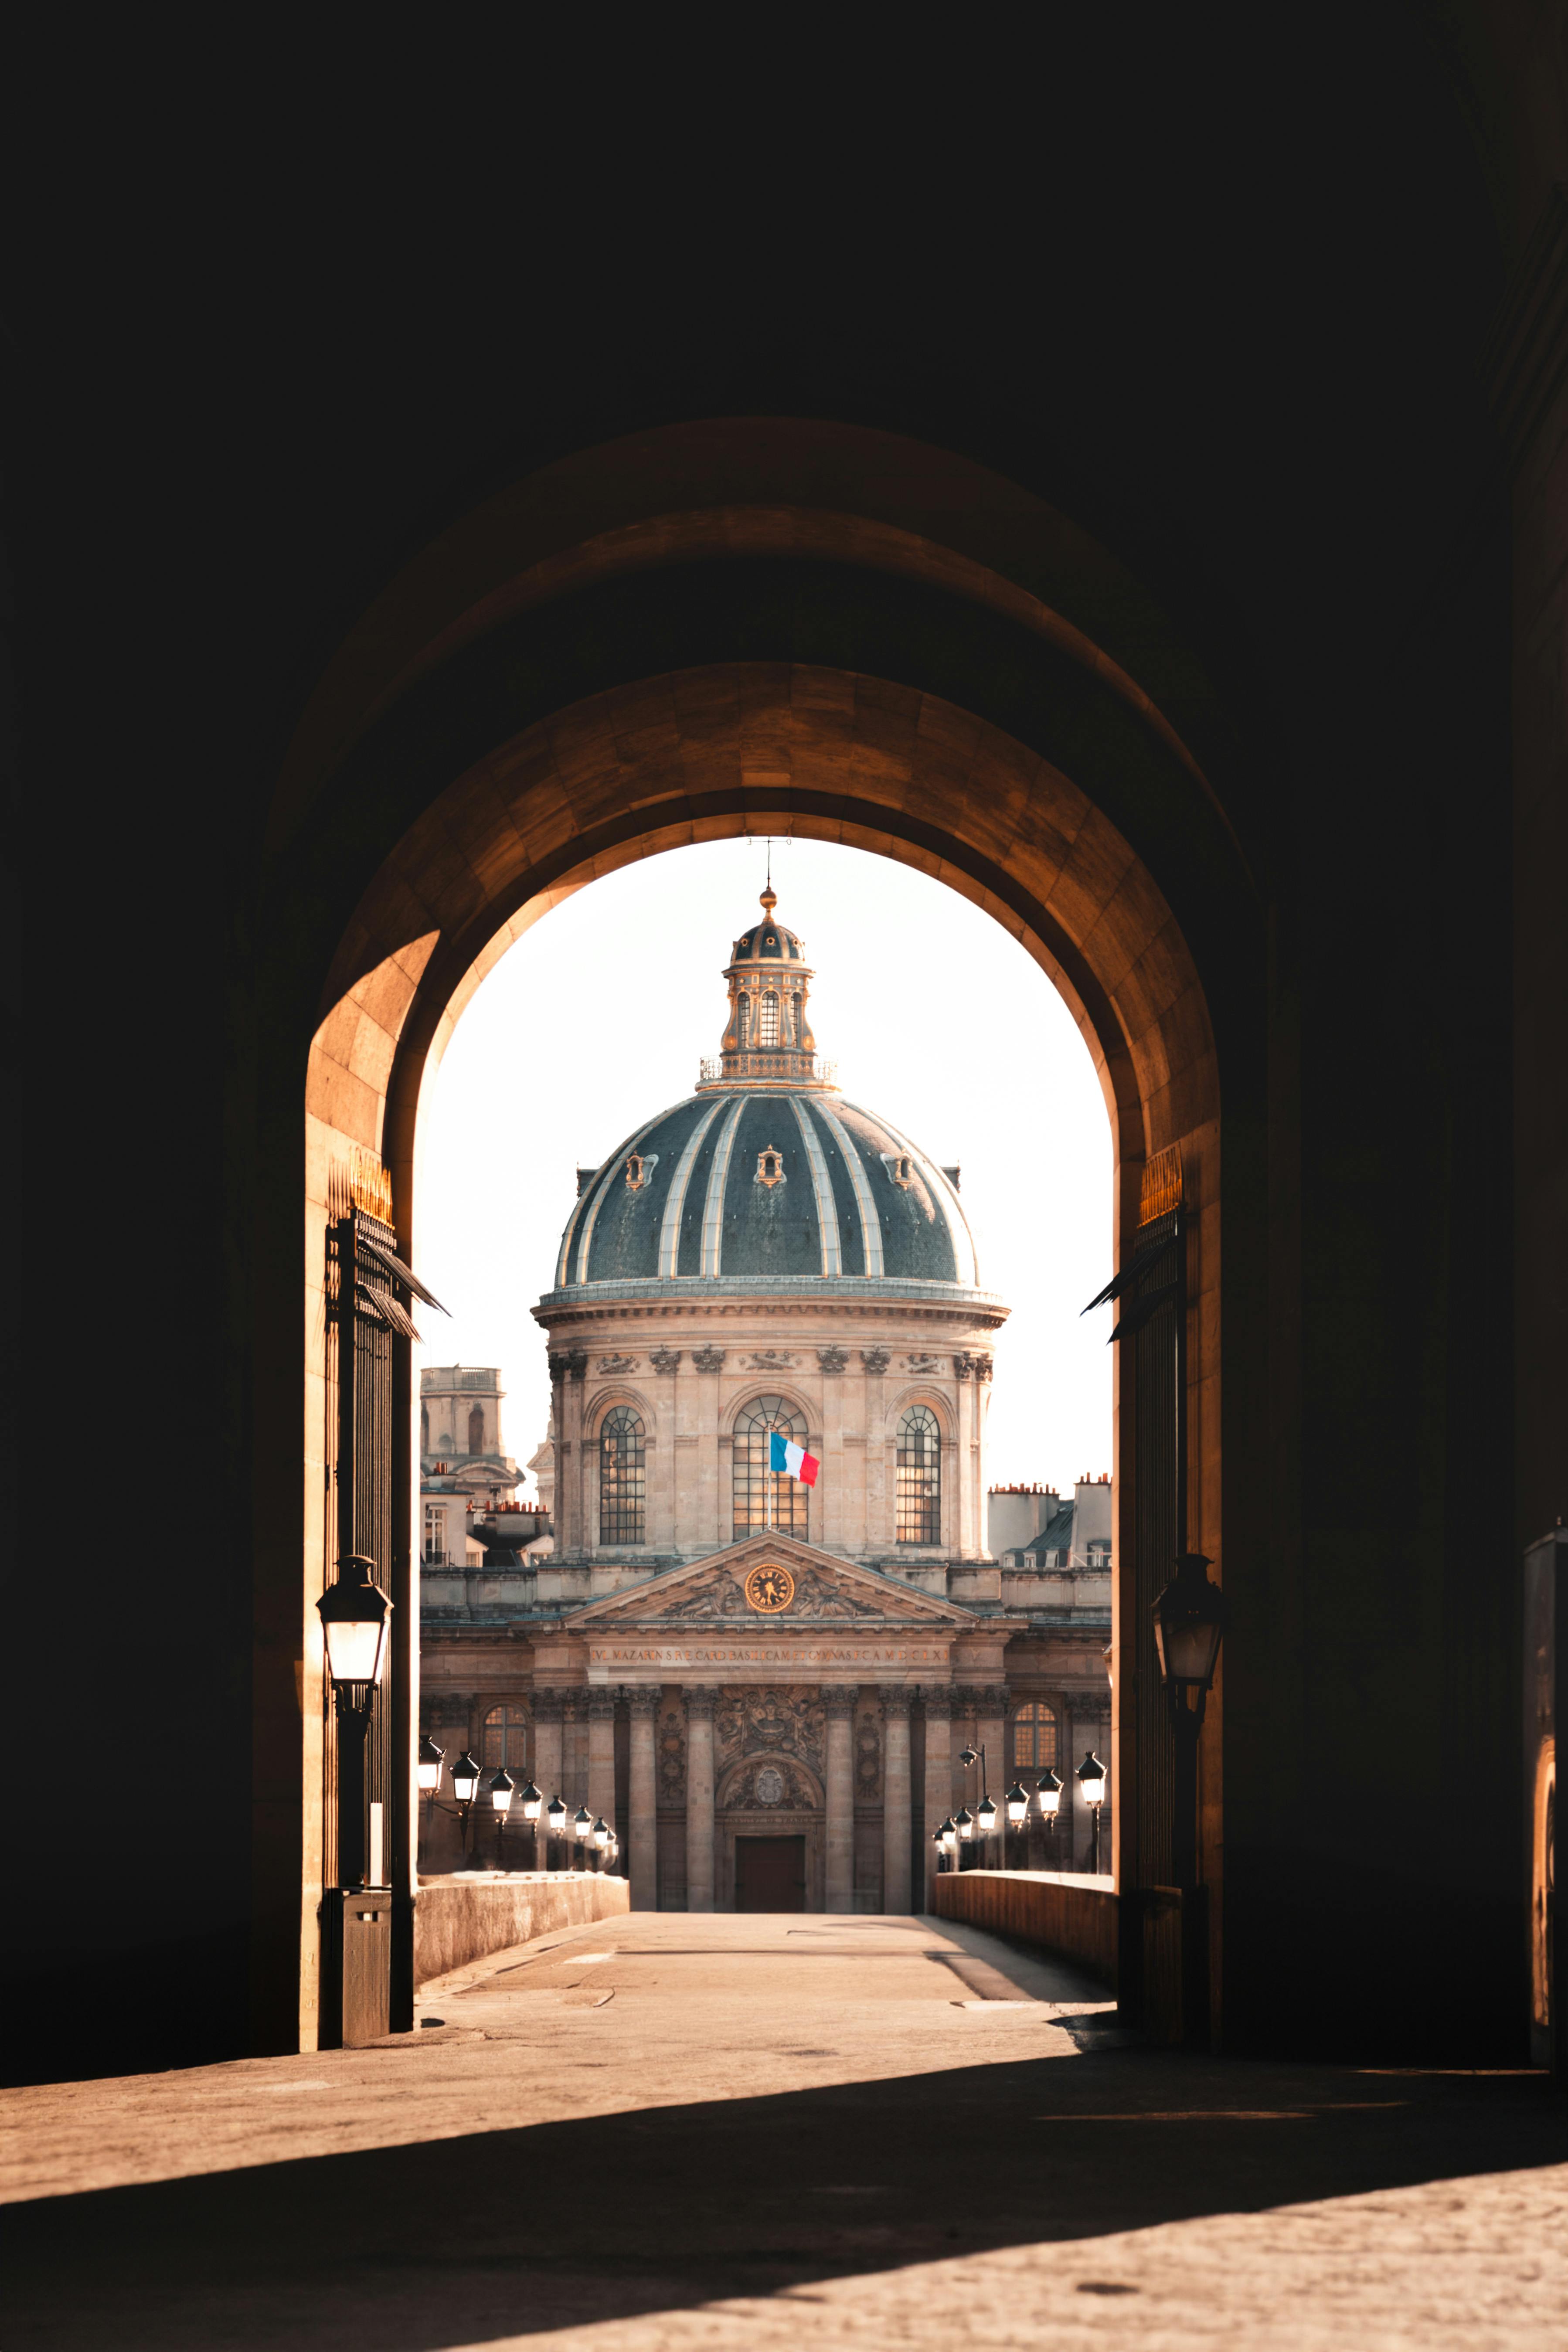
(763, 1679)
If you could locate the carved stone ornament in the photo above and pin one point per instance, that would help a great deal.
(832, 1359)
(964, 1366)
(770, 1360)
(718, 1591)
(920, 1363)
(617, 1363)
(876, 1359)
(751, 1721)
(576, 1362)
(983, 1368)
(707, 1360)
(772, 1786)
(664, 1360)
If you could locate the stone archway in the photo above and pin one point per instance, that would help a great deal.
(1024, 823)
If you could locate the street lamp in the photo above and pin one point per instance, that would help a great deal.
(602, 1840)
(353, 1613)
(1018, 1803)
(531, 1802)
(1049, 1788)
(1189, 1625)
(1090, 1778)
(963, 1822)
(504, 1788)
(985, 1822)
(555, 1824)
(582, 1825)
(427, 1767)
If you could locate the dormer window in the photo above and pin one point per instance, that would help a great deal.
(639, 1170)
(900, 1167)
(770, 1169)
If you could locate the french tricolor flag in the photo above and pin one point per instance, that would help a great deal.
(792, 1461)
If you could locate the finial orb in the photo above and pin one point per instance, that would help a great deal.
(768, 898)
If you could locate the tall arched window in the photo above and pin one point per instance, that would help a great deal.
(768, 1026)
(506, 1739)
(920, 1478)
(623, 1479)
(476, 1430)
(1034, 1738)
(753, 1478)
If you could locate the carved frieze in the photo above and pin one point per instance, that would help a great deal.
(750, 1722)
(618, 1363)
(769, 1359)
(671, 1755)
(922, 1363)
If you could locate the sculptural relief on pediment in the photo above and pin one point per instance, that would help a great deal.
(720, 1591)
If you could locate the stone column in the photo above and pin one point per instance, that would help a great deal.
(700, 1801)
(938, 1775)
(601, 1798)
(547, 1712)
(642, 1830)
(573, 1772)
(896, 1825)
(841, 1813)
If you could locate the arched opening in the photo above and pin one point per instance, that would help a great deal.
(919, 1476)
(760, 1495)
(1019, 820)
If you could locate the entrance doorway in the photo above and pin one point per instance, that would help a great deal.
(770, 1874)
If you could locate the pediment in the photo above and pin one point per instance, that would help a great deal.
(827, 1591)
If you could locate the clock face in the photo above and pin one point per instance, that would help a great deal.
(769, 1588)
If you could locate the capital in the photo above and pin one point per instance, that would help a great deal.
(841, 1702)
(896, 1698)
(700, 1705)
(937, 1699)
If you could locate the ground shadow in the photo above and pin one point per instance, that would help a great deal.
(512, 2233)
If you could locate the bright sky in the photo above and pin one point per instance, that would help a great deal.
(598, 1018)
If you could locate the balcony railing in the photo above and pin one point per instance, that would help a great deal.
(782, 1063)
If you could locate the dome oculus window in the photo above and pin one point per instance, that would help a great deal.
(752, 1478)
(622, 1478)
(919, 1477)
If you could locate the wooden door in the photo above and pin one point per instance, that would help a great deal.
(770, 1874)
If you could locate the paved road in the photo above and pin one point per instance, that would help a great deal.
(661, 2133)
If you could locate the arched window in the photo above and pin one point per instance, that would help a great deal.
(1034, 1738)
(506, 1740)
(920, 1478)
(623, 1479)
(476, 1430)
(768, 1026)
(752, 1478)
(745, 1030)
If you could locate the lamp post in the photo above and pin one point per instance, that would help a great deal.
(1018, 1803)
(504, 1788)
(601, 1835)
(963, 1822)
(531, 1802)
(355, 1612)
(581, 1826)
(1049, 1788)
(1090, 1778)
(466, 1790)
(984, 1825)
(1189, 1625)
(555, 1824)
(428, 1769)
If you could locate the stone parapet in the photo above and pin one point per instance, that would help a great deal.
(460, 1919)
(1073, 1916)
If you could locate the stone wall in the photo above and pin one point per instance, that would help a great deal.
(461, 1919)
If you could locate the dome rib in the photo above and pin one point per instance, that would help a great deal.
(675, 1200)
(870, 1223)
(822, 1185)
(718, 1183)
